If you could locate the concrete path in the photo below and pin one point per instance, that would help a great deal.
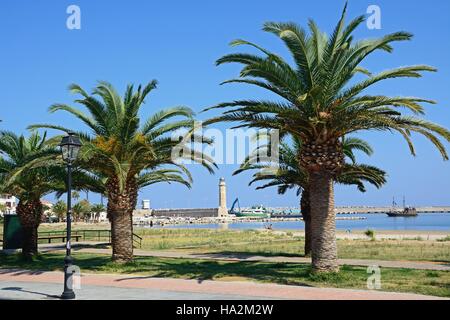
(26, 284)
(90, 248)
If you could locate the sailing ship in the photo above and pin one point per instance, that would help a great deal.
(401, 212)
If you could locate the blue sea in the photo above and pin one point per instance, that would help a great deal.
(424, 221)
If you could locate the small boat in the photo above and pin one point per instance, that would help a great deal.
(254, 212)
(405, 212)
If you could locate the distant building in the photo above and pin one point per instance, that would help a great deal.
(220, 211)
(10, 202)
(101, 217)
(145, 204)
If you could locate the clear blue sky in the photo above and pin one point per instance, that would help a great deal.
(177, 42)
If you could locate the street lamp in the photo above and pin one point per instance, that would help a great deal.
(70, 146)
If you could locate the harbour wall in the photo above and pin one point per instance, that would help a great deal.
(189, 212)
(278, 212)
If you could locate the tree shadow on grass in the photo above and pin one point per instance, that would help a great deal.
(201, 270)
(76, 246)
(19, 272)
(249, 254)
(48, 261)
(195, 269)
(442, 262)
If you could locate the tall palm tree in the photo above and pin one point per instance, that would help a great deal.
(97, 209)
(60, 209)
(289, 175)
(129, 153)
(321, 101)
(31, 168)
(81, 210)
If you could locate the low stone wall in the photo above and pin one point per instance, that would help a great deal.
(195, 213)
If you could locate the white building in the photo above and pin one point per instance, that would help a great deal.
(101, 217)
(145, 204)
(10, 202)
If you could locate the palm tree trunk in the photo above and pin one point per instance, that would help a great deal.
(323, 227)
(30, 214)
(120, 213)
(305, 210)
(29, 245)
(122, 236)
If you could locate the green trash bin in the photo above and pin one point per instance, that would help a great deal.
(12, 232)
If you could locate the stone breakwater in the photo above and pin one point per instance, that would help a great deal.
(162, 221)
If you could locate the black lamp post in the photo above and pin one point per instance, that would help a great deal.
(70, 145)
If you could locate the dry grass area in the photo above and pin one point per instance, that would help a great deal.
(277, 243)
(288, 244)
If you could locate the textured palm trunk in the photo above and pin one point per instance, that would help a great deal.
(30, 214)
(323, 159)
(122, 236)
(305, 209)
(121, 204)
(323, 226)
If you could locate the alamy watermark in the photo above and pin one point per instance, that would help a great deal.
(232, 146)
(73, 21)
(374, 19)
(74, 277)
(374, 280)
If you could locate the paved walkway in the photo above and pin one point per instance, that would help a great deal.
(90, 248)
(26, 284)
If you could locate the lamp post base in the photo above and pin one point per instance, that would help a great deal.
(68, 292)
(68, 295)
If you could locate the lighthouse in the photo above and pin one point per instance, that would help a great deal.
(223, 211)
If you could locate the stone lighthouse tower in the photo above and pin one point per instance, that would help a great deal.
(223, 211)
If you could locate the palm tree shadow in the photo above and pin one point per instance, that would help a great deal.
(249, 254)
(442, 262)
(18, 272)
(103, 245)
(201, 270)
(29, 291)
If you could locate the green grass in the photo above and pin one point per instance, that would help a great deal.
(261, 243)
(435, 283)
(268, 243)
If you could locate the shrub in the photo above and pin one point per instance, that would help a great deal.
(447, 238)
(370, 233)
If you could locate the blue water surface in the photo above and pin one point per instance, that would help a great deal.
(424, 221)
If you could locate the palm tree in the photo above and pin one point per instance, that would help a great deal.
(81, 210)
(31, 168)
(131, 154)
(322, 101)
(289, 175)
(97, 209)
(60, 209)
